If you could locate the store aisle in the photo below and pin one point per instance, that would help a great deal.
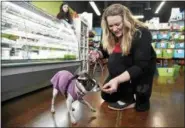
(33, 110)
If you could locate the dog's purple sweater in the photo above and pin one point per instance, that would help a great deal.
(60, 80)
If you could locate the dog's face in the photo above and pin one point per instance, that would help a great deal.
(89, 84)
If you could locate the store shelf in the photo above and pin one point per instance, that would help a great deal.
(36, 63)
(170, 58)
(171, 30)
(177, 20)
(22, 78)
(169, 38)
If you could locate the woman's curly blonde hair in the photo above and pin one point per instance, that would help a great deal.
(130, 25)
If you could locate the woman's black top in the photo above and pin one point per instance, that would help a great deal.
(141, 61)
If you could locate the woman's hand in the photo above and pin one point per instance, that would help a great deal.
(94, 55)
(111, 86)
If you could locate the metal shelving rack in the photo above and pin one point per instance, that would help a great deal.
(82, 34)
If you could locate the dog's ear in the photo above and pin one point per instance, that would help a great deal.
(87, 75)
(82, 73)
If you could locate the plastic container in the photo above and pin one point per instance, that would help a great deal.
(166, 71)
(154, 36)
(178, 53)
(163, 36)
(171, 45)
(166, 80)
(177, 69)
(161, 45)
(176, 36)
(179, 45)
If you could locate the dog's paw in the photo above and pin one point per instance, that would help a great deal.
(52, 110)
(93, 110)
(73, 121)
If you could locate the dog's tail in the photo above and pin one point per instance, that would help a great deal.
(74, 77)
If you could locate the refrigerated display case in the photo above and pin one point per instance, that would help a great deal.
(34, 46)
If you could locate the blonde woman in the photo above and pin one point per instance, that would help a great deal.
(131, 60)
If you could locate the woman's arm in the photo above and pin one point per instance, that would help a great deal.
(142, 55)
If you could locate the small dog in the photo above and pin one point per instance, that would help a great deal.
(73, 87)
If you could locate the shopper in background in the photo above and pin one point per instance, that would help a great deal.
(131, 59)
(65, 13)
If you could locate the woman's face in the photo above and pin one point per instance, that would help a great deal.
(65, 8)
(115, 25)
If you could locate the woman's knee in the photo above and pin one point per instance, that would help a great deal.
(109, 98)
(104, 96)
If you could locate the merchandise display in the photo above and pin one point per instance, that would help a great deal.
(169, 47)
(39, 36)
(91, 63)
(35, 45)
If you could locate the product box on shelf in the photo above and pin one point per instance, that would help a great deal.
(176, 35)
(181, 37)
(179, 45)
(171, 45)
(154, 36)
(167, 53)
(178, 53)
(161, 45)
(158, 53)
(164, 26)
(163, 35)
